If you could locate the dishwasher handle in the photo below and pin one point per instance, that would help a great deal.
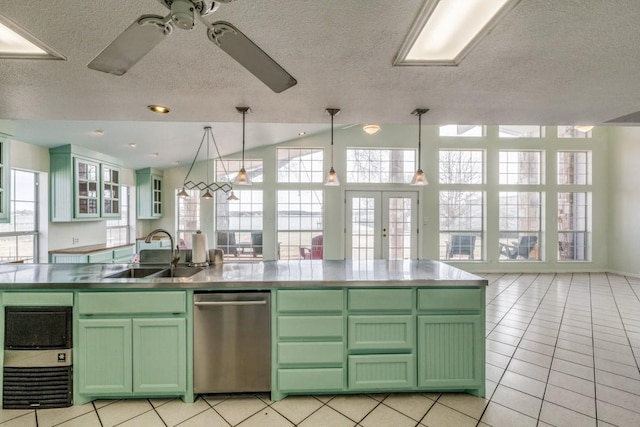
(228, 303)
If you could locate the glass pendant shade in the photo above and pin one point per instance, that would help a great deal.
(419, 178)
(183, 194)
(232, 197)
(242, 178)
(332, 178)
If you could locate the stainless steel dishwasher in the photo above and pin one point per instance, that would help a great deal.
(231, 342)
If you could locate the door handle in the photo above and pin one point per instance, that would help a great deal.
(229, 303)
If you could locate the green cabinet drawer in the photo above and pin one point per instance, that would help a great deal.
(391, 300)
(37, 299)
(101, 257)
(382, 372)
(310, 353)
(321, 327)
(311, 380)
(388, 333)
(173, 302)
(310, 300)
(452, 300)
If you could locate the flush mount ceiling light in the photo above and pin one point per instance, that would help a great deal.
(17, 43)
(208, 187)
(445, 31)
(332, 176)
(371, 129)
(160, 109)
(419, 178)
(243, 177)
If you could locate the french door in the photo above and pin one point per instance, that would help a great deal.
(382, 225)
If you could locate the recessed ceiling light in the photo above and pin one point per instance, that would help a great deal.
(155, 154)
(132, 145)
(160, 109)
(98, 132)
(302, 133)
(446, 30)
(371, 129)
(17, 43)
(176, 162)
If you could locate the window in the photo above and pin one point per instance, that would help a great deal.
(461, 166)
(187, 217)
(380, 166)
(512, 131)
(19, 238)
(461, 225)
(302, 165)
(462, 130)
(239, 224)
(574, 167)
(520, 223)
(575, 131)
(119, 230)
(300, 224)
(227, 170)
(520, 167)
(573, 226)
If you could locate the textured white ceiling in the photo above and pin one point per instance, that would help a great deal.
(548, 62)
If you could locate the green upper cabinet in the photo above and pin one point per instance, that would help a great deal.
(149, 192)
(84, 185)
(5, 178)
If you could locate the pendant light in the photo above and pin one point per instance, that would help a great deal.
(332, 176)
(419, 178)
(243, 177)
(232, 197)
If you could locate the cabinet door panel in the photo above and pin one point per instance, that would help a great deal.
(159, 355)
(317, 327)
(451, 351)
(308, 380)
(382, 372)
(104, 362)
(310, 353)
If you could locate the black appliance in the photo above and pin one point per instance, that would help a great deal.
(37, 358)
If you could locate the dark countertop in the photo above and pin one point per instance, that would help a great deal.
(81, 250)
(244, 275)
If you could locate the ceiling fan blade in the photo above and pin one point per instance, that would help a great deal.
(130, 46)
(250, 56)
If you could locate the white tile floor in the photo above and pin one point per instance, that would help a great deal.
(562, 350)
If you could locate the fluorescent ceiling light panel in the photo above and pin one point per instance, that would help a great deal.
(16, 43)
(446, 30)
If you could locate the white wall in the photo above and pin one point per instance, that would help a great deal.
(624, 200)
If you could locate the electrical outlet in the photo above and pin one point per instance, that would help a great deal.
(76, 240)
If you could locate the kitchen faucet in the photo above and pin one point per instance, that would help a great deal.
(173, 257)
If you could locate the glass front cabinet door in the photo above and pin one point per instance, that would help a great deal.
(87, 195)
(110, 191)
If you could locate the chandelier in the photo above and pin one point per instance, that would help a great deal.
(208, 187)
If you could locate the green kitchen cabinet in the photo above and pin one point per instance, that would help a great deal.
(382, 372)
(451, 352)
(105, 357)
(149, 188)
(5, 179)
(84, 185)
(121, 255)
(132, 344)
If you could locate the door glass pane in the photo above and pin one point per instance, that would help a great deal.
(363, 228)
(399, 228)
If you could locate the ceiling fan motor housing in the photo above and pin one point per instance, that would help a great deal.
(182, 11)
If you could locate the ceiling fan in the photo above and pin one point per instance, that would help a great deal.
(149, 30)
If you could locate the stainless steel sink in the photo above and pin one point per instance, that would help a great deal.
(135, 273)
(178, 272)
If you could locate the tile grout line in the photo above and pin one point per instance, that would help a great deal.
(624, 328)
(158, 413)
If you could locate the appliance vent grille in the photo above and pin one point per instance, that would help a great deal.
(28, 388)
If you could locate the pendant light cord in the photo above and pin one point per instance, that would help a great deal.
(244, 113)
(332, 140)
(419, 138)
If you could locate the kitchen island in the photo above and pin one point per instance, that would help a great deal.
(336, 326)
